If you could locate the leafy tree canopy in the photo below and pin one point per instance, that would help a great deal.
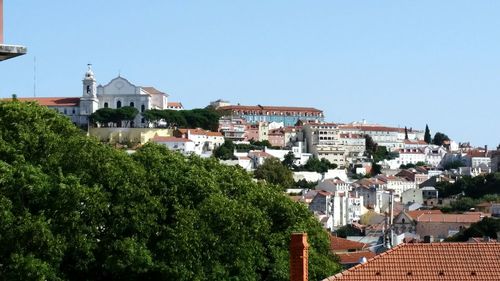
(72, 208)
(474, 187)
(274, 172)
(205, 118)
(316, 165)
(489, 227)
(440, 138)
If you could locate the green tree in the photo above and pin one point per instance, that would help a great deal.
(319, 166)
(370, 145)
(427, 134)
(289, 160)
(440, 138)
(127, 114)
(103, 116)
(489, 227)
(225, 151)
(72, 208)
(274, 172)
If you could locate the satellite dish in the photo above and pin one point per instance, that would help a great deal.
(362, 260)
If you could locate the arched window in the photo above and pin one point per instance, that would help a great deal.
(118, 104)
(143, 107)
(131, 104)
(106, 105)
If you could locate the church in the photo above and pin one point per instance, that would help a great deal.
(117, 93)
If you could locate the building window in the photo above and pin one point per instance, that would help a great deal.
(118, 104)
(65, 111)
(73, 111)
(105, 105)
(131, 104)
(143, 107)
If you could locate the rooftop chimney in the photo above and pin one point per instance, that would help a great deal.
(299, 257)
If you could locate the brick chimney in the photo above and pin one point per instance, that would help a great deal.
(1, 22)
(299, 257)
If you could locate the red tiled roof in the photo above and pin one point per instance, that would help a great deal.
(214, 134)
(270, 108)
(259, 154)
(338, 244)
(354, 257)
(415, 214)
(174, 104)
(430, 261)
(466, 218)
(53, 101)
(476, 153)
(153, 91)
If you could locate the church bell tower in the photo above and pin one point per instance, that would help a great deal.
(89, 102)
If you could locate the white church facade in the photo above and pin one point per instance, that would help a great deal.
(119, 92)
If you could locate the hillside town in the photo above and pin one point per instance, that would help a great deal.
(385, 195)
(380, 180)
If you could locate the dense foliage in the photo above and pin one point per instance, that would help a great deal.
(487, 227)
(427, 135)
(274, 172)
(474, 187)
(440, 138)
(316, 165)
(205, 118)
(225, 151)
(106, 116)
(72, 208)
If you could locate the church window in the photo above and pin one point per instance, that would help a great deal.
(132, 104)
(118, 104)
(106, 105)
(88, 89)
(143, 107)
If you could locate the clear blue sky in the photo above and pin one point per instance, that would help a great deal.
(390, 62)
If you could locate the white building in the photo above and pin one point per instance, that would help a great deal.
(343, 207)
(118, 93)
(182, 145)
(204, 140)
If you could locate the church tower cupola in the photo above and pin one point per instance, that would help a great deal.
(89, 83)
(89, 102)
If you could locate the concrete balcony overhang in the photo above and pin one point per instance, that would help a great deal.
(11, 51)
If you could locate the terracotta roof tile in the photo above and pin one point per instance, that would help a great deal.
(270, 108)
(354, 257)
(174, 104)
(153, 91)
(467, 218)
(52, 101)
(430, 261)
(341, 244)
(415, 214)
